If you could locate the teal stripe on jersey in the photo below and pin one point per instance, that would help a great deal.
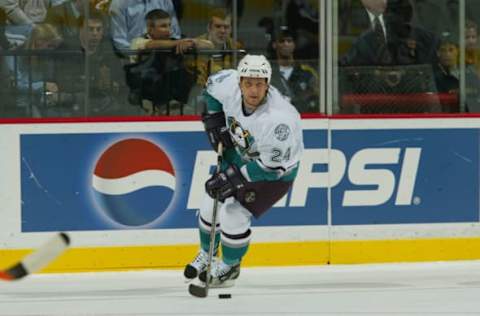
(213, 105)
(233, 256)
(232, 157)
(256, 173)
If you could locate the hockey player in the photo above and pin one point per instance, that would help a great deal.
(263, 141)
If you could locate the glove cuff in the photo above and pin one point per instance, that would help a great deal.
(235, 177)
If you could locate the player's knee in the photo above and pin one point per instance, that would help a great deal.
(234, 220)
(206, 209)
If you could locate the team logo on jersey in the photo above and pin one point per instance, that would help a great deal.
(241, 137)
(282, 132)
(134, 182)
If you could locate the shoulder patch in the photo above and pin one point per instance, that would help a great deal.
(282, 131)
(218, 77)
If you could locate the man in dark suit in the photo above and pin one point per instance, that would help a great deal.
(375, 10)
(404, 43)
(357, 16)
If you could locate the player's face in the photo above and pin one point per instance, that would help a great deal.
(253, 90)
(159, 29)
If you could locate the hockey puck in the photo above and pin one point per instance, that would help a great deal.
(224, 295)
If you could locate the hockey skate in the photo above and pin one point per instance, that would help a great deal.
(197, 266)
(222, 274)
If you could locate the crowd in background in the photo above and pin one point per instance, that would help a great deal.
(407, 50)
(64, 58)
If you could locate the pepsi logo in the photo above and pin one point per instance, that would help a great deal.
(133, 182)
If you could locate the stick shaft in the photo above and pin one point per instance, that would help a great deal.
(38, 259)
(214, 221)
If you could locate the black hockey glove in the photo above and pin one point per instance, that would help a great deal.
(217, 131)
(225, 183)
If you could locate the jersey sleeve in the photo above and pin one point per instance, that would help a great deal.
(220, 85)
(212, 104)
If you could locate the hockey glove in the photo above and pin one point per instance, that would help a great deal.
(225, 184)
(217, 131)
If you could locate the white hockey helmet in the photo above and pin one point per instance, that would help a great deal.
(254, 66)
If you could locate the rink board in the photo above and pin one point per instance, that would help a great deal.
(368, 191)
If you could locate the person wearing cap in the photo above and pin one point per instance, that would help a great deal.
(472, 54)
(262, 143)
(447, 72)
(297, 81)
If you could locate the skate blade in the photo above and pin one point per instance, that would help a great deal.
(187, 281)
(228, 283)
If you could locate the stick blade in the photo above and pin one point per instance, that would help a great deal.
(197, 290)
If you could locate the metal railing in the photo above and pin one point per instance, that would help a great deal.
(23, 80)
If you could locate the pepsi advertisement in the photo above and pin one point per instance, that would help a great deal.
(154, 180)
(108, 181)
(406, 176)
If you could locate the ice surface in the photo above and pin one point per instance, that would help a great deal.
(446, 288)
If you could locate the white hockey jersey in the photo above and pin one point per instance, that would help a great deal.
(270, 137)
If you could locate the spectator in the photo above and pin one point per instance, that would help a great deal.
(3, 21)
(29, 12)
(14, 12)
(358, 16)
(5, 87)
(65, 17)
(374, 21)
(219, 31)
(436, 15)
(128, 20)
(104, 71)
(410, 44)
(158, 35)
(178, 6)
(302, 20)
(447, 71)
(165, 79)
(228, 5)
(405, 44)
(472, 56)
(296, 81)
(374, 10)
(35, 77)
(101, 5)
(36, 10)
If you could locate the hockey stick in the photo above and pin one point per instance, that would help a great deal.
(197, 290)
(38, 259)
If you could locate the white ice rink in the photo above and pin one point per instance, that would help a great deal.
(446, 288)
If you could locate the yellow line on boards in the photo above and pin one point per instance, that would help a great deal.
(260, 254)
